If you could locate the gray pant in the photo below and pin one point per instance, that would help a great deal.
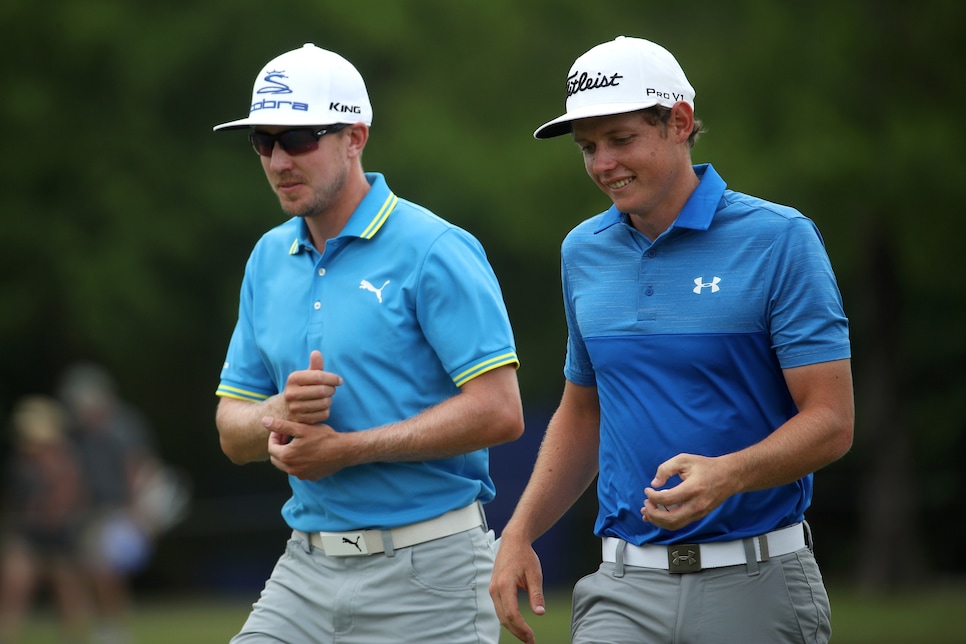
(431, 592)
(775, 601)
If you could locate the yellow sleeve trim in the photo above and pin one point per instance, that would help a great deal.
(225, 391)
(487, 365)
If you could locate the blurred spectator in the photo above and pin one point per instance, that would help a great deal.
(42, 511)
(132, 495)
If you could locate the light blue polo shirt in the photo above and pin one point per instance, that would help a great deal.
(406, 308)
(685, 339)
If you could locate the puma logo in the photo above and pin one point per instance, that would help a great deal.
(367, 285)
(353, 543)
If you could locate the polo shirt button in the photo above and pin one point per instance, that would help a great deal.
(651, 253)
(321, 272)
(317, 306)
(649, 291)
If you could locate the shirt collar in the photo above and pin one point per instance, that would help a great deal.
(368, 217)
(699, 209)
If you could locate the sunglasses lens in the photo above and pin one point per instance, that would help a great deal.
(298, 141)
(262, 142)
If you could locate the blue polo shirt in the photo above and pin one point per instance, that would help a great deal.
(406, 308)
(685, 339)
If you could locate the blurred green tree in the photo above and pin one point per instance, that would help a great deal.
(127, 222)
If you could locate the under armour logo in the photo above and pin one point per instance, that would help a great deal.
(367, 285)
(700, 284)
(678, 559)
(353, 543)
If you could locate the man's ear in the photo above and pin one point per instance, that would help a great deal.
(358, 134)
(681, 122)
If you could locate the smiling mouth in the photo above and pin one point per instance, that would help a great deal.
(618, 184)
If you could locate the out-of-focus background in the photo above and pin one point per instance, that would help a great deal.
(126, 224)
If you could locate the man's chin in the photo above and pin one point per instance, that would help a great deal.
(294, 210)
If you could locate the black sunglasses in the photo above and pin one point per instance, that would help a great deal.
(294, 141)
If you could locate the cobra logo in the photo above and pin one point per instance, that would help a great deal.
(275, 86)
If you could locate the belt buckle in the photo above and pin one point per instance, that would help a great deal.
(684, 558)
(346, 544)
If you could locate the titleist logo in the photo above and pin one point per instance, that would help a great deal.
(581, 81)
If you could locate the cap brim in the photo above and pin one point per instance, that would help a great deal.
(298, 121)
(562, 124)
(234, 125)
(259, 119)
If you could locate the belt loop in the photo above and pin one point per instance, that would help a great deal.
(306, 538)
(751, 558)
(387, 543)
(479, 506)
(619, 558)
(763, 546)
(808, 537)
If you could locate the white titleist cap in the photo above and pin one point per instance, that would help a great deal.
(623, 75)
(307, 86)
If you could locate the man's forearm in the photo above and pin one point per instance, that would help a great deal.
(243, 437)
(485, 413)
(565, 467)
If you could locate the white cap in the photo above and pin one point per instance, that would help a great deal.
(307, 86)
(623, 75)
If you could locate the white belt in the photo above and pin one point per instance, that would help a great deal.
(371, 542)
(693, 557)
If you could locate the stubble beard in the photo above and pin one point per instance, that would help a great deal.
(322, 198)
